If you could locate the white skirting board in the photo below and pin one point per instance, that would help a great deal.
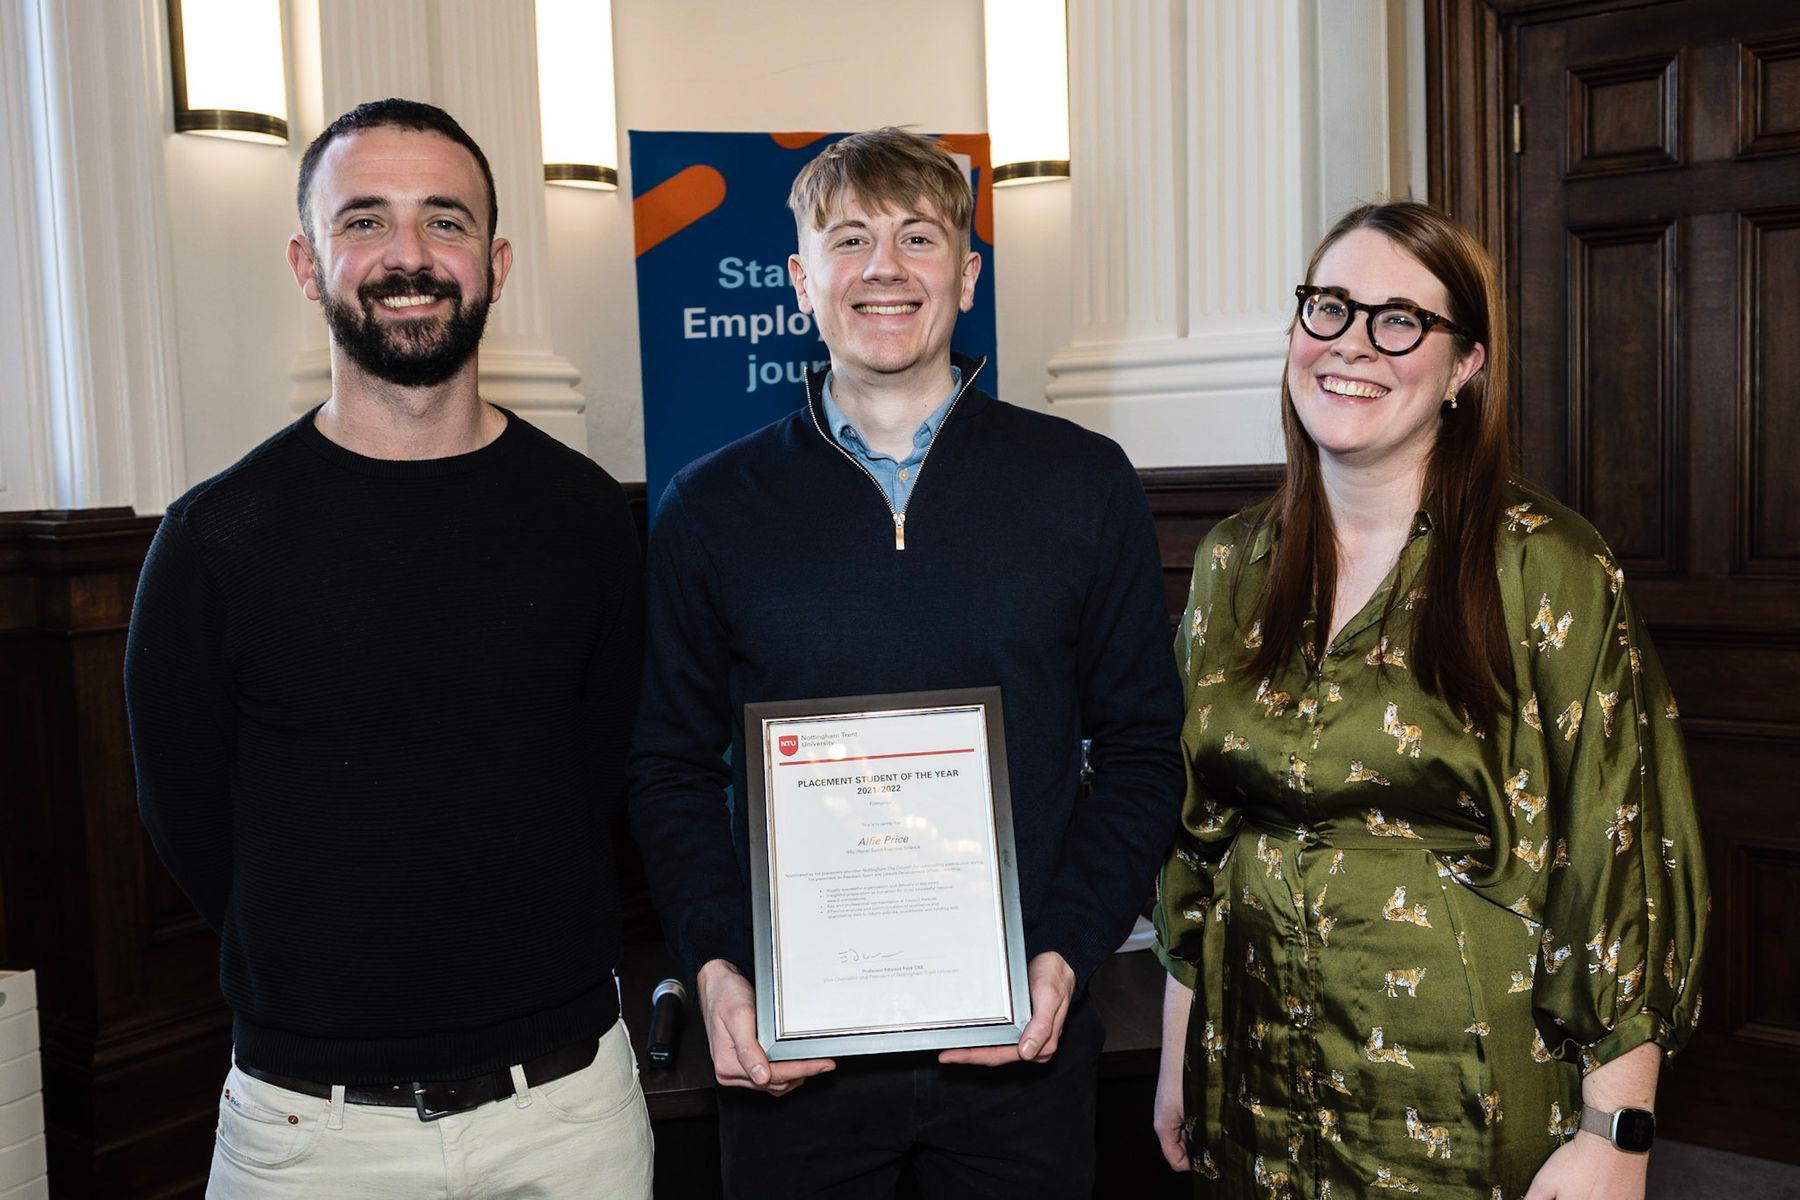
(21, 1120)
(21, 1164)
(21, 1081)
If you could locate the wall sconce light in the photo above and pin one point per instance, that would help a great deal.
(575, 93)
(1028, 89)
(228, 69)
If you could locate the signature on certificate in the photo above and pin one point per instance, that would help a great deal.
(853, 955)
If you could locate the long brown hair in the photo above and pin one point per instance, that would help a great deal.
(1459, 648)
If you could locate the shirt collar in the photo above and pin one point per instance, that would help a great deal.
(1263, 540)
(844, 430)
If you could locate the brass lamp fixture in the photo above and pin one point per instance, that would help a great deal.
(228, 68)
(575, 93)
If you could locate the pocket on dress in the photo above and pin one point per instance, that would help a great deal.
(261, 1125)
(1478, 937)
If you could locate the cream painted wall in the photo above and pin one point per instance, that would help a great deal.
(788, 64)
(240, 315)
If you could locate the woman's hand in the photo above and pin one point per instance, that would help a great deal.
(1170, 1113)
(1588, 1167)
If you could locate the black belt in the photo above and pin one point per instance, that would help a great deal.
(433, 1099)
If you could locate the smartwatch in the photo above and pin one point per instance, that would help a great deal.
(1630, 1129)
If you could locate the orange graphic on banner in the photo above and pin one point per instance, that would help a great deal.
(975, 145)
(794, 141)
(674, 204)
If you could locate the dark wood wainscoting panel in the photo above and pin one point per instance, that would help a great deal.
(1769, 96)
(1769, 418)
(1622, 415)
(1731, 684)
(1768, 879)
(1186, 502)
(1745, 1048)
(1648, 235)
(135, 1036)
(1625, 116)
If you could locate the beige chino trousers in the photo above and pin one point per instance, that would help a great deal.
(584, 1135)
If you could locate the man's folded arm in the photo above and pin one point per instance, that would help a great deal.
(183, 720)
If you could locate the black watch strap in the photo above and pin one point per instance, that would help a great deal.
(1630, 1129)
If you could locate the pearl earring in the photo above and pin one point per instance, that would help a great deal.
(1451, 397)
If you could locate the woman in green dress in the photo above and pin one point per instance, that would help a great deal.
(1438, 887)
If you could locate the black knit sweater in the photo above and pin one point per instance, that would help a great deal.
(379, 711)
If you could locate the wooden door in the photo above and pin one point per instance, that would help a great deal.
(1653, 196)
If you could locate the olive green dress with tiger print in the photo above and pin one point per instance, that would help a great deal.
(1409, 937)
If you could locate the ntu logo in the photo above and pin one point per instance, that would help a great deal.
(788, 743)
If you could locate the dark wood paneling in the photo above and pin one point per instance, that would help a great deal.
(1624, 116)
(1658, 362)
(1769, 420)
(135, 1037)
(1713, 1092)
(1186, 502)
(1621, 401)
(1769, 96)
(1768, 879)
(1467, 117)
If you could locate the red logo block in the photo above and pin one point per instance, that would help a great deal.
(788, 743)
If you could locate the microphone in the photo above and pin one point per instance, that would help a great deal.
(665, 1021)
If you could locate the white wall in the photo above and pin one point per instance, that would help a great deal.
(241, 318)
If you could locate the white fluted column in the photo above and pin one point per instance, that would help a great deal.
(86, 298)
(1200, 180)
(476, 59)
(26, 473)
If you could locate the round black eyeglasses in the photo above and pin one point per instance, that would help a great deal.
(1395, 328)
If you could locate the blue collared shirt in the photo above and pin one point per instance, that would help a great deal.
(895, 476)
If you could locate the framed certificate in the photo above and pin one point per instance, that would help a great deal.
(883, 887)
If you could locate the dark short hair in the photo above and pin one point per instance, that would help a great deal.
(396, 114)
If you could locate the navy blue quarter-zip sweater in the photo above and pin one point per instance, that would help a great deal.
(1029, 562)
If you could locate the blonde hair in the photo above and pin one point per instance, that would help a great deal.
(887, 169)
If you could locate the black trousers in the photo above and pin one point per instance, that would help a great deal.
(1024, 1130)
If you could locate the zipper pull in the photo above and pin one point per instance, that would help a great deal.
(899, 531)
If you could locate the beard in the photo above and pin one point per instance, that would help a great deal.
(411, 353)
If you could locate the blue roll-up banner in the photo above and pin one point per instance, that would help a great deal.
(724, 345)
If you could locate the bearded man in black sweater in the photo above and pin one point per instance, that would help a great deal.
(381, 678)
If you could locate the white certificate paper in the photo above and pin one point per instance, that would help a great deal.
(884, 861)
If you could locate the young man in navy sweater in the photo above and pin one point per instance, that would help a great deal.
(905, 531)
